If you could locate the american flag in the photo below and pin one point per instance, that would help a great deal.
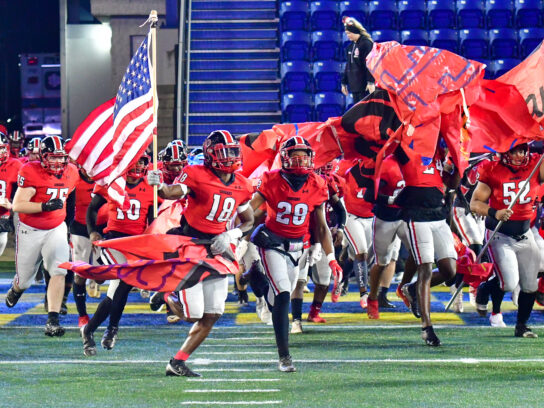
(114, 136)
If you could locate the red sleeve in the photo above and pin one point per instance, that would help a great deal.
(27, 176)
(263, 186)
(484, 173)
(189, 177)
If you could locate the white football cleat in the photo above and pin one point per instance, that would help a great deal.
(496, 320)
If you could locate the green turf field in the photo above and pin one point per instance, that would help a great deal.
(338, 366)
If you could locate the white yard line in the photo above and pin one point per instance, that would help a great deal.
(240, 352)
(232, 379)
(233, 391)
(231, 402)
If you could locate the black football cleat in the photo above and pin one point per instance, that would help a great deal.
(524, 331)
(54, 329)
(109, 338)
(177, 368)
(156, 301)
(12, 297)
(430, 338)
(384, 302)
(89, 346)
(410, 291)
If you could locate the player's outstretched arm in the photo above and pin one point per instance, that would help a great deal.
(21, 201)
(166, 191)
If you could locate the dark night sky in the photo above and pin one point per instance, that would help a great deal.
(25, 26)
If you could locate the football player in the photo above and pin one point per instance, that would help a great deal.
(16, 143)
(424, 214)
(292, 195)
(9, 168)
(174, 159)
(387, 230)
(121, 223)
(513, 249)
(32, 150)
(43, 188)
(215, 193)
(79, 237)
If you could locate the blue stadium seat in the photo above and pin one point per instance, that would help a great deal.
(327, 75)
(385, 35)
(489, 73)
(358, 9)
(473, 43)
(382, 14)
(414, 37)
(328, 105)
(294, 15)
(296, 107)
(441, 14)
(295, 76)
(444, 38)
(501, 66)
(499, 13)
(412, 14)
(470, 13)
(326, 45)
(295, 45)
(528, 13)
(503, 43)
(324, 15)
(529, 39)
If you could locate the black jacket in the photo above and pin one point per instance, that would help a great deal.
(356, 75)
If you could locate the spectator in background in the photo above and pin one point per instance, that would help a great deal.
(357, 79)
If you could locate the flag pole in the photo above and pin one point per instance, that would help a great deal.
(482, 252)
(153, 18)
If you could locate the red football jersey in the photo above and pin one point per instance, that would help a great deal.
(134, 220)
(416, 174)
(288, 211)
(8, 176)
(391, 178)
(47, 187)
(354, 198)
(211, 203)
(84, 195)
(505, 184)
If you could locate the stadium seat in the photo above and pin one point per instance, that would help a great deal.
(412, 14)
(528, 13)
(470, 13)
(382, 14)
(529, 39)
(499, 13)
(295, 76)
(297, 107)
(444, 38)
(414, 37)
(503, 43)
(501, 66)
(328, 105)
(385, 35)
(489, 74)
(358, 9)
(294, 15)
(473, 43)
(327, 75)
(324, 15)
(441, 14)
(295, 45)
(326, 45)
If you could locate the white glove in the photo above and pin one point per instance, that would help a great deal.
(221, 242)
(154, 178)
(241, 249)
(315, 254)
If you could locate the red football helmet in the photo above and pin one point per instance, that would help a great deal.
(517, 157)
(222, 151)
(4, 154)
(139, 170)
(16, 141)
(52, 155)
(330, 167)
(33, 149)
(298, 164)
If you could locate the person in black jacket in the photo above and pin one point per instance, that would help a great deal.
(357, 79)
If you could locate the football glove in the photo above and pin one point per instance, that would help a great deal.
(221, 242)
(154, 178)
(52, 205)
(337, 284)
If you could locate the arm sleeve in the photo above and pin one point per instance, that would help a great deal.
(340, 211)
(13, 190)
(92, 212)
(150, 217)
